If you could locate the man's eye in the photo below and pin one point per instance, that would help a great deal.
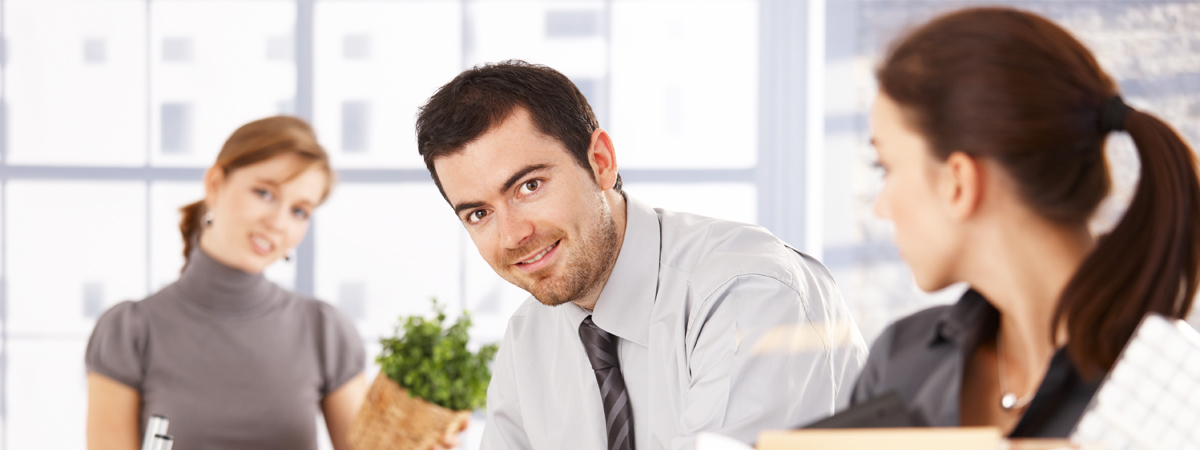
(476, 216)
(530, 186)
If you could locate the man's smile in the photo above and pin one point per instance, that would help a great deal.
(540, 259)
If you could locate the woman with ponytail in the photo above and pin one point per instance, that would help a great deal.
(231, 359)
(990, 127)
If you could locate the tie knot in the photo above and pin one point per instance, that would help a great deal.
(601, 346)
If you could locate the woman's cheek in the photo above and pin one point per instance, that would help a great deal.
(296, 235)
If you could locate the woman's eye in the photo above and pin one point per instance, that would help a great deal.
(476, 216)
(300, 213)
(265, 194)
(530, 186)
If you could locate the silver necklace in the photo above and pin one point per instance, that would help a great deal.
(1008, 400)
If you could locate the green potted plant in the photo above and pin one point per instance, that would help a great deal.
(428, 384)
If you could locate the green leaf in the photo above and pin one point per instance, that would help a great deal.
(432, 361)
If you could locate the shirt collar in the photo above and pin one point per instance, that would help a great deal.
(221, 289)
(965, 322)
(625, 304)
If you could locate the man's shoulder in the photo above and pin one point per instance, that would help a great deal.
(711, 251)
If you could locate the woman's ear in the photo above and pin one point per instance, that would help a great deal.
(603, 159)
(214, 182)
(961, 185)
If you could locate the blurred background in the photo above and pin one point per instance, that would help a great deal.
(754, 111)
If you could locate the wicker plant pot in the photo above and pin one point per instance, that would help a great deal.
(391, 419)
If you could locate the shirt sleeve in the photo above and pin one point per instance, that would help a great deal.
(767, 356)
(505, 428)
(342, 354)
(117, 347)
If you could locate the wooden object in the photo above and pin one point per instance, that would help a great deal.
(391, 419)
(970, 438)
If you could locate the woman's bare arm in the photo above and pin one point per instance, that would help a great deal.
(112, 415)
(340, 407)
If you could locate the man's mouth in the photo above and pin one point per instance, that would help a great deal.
(540, 255)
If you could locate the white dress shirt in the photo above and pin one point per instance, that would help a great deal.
(722, 326)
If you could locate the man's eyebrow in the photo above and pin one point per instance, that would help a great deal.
(459, 208)
(521, 174)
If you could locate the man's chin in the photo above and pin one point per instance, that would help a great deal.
(550, 300)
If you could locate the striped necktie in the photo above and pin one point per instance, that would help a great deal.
(601, 347)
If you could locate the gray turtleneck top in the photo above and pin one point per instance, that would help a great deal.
(232, 360)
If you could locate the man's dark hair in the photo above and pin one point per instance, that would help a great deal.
(484, 96)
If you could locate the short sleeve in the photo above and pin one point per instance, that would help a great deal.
(118, 345)
(342, 354)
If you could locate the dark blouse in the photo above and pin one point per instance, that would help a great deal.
(922, 357)
(232, 360)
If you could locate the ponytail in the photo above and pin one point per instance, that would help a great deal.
(190, 226)
(1014, 87)
(1148, 263)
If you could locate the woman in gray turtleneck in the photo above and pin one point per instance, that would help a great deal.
(234, 361)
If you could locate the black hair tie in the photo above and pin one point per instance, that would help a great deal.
(1112, 114)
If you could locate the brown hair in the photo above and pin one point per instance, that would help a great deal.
(253, 143)
(484, 96)
(1015, 88)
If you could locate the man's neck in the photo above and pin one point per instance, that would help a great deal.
(616, 203)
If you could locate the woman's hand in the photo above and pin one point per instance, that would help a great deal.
(450, 440)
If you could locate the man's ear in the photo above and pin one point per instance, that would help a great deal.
(961, 185)
(214, 182)
(603, 159)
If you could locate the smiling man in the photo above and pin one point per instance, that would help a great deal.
(645, 326)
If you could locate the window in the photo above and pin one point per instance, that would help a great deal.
(213, 59)
(356, 115)
(573, 23)
(94, 51)
(413, 47)
(177, 49)
(111, 111)
(280, 48)
(76, 71)
(176, 122)
(72, 248)
(667, 65)
(356, 47)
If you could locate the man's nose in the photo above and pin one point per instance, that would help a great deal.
(514, 229)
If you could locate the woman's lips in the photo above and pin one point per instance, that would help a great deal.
(261, 245)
